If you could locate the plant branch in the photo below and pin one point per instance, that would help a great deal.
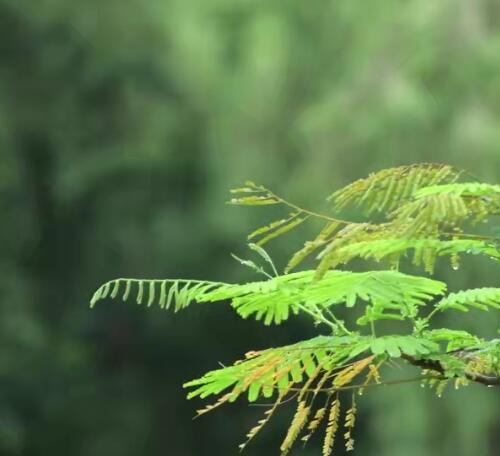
(438, 367)
(309, 212)
(318, 316)
(347, 222)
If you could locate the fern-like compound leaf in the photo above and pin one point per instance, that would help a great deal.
(433, 213)
(276, 370)
(394, 346)
(275, 299)
(298, 423)
(386, 189)
(479, 298)
(461, 189)
(423, 214)
(309, 247)
(424, 251)
(180, 293)
(332, 427)
(454, 338)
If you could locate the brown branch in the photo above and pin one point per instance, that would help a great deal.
(438, 367)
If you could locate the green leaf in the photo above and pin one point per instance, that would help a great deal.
(455, 338)
(275, 299)
(479, 298)
(397, 248)
(284, 228)
(277, 368)
(394, 346)
(389, 187)
(264, 255)
(465, 189)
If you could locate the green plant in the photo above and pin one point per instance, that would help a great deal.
(423, 210)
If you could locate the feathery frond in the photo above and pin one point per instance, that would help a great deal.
(428, 215)
(462, 189)
(276, 370)
(252, 195)
(455, 338)
(384, 190)
(424, 212)
(273, 300)
(298, 423)
(395, 345)
(424, 251)
(350, 421)
(278, 228)
(313, 425)
(479, 298)
(165, 293)
(324, 236)
(332, 427)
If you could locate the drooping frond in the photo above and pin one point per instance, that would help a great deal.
(273, 300)
(350, 421)
(384, 190)
(313, 425)
(165, 293)
(298, 423)
(332, 427)
(479, 298)
(252, 433)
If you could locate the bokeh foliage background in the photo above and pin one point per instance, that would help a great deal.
(122, 126)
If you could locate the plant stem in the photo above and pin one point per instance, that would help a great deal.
(347, 222)
(340, 323)
(318, 316)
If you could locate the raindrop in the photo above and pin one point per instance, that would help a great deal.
(455, 267)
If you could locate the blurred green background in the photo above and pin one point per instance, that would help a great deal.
(122, 126)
